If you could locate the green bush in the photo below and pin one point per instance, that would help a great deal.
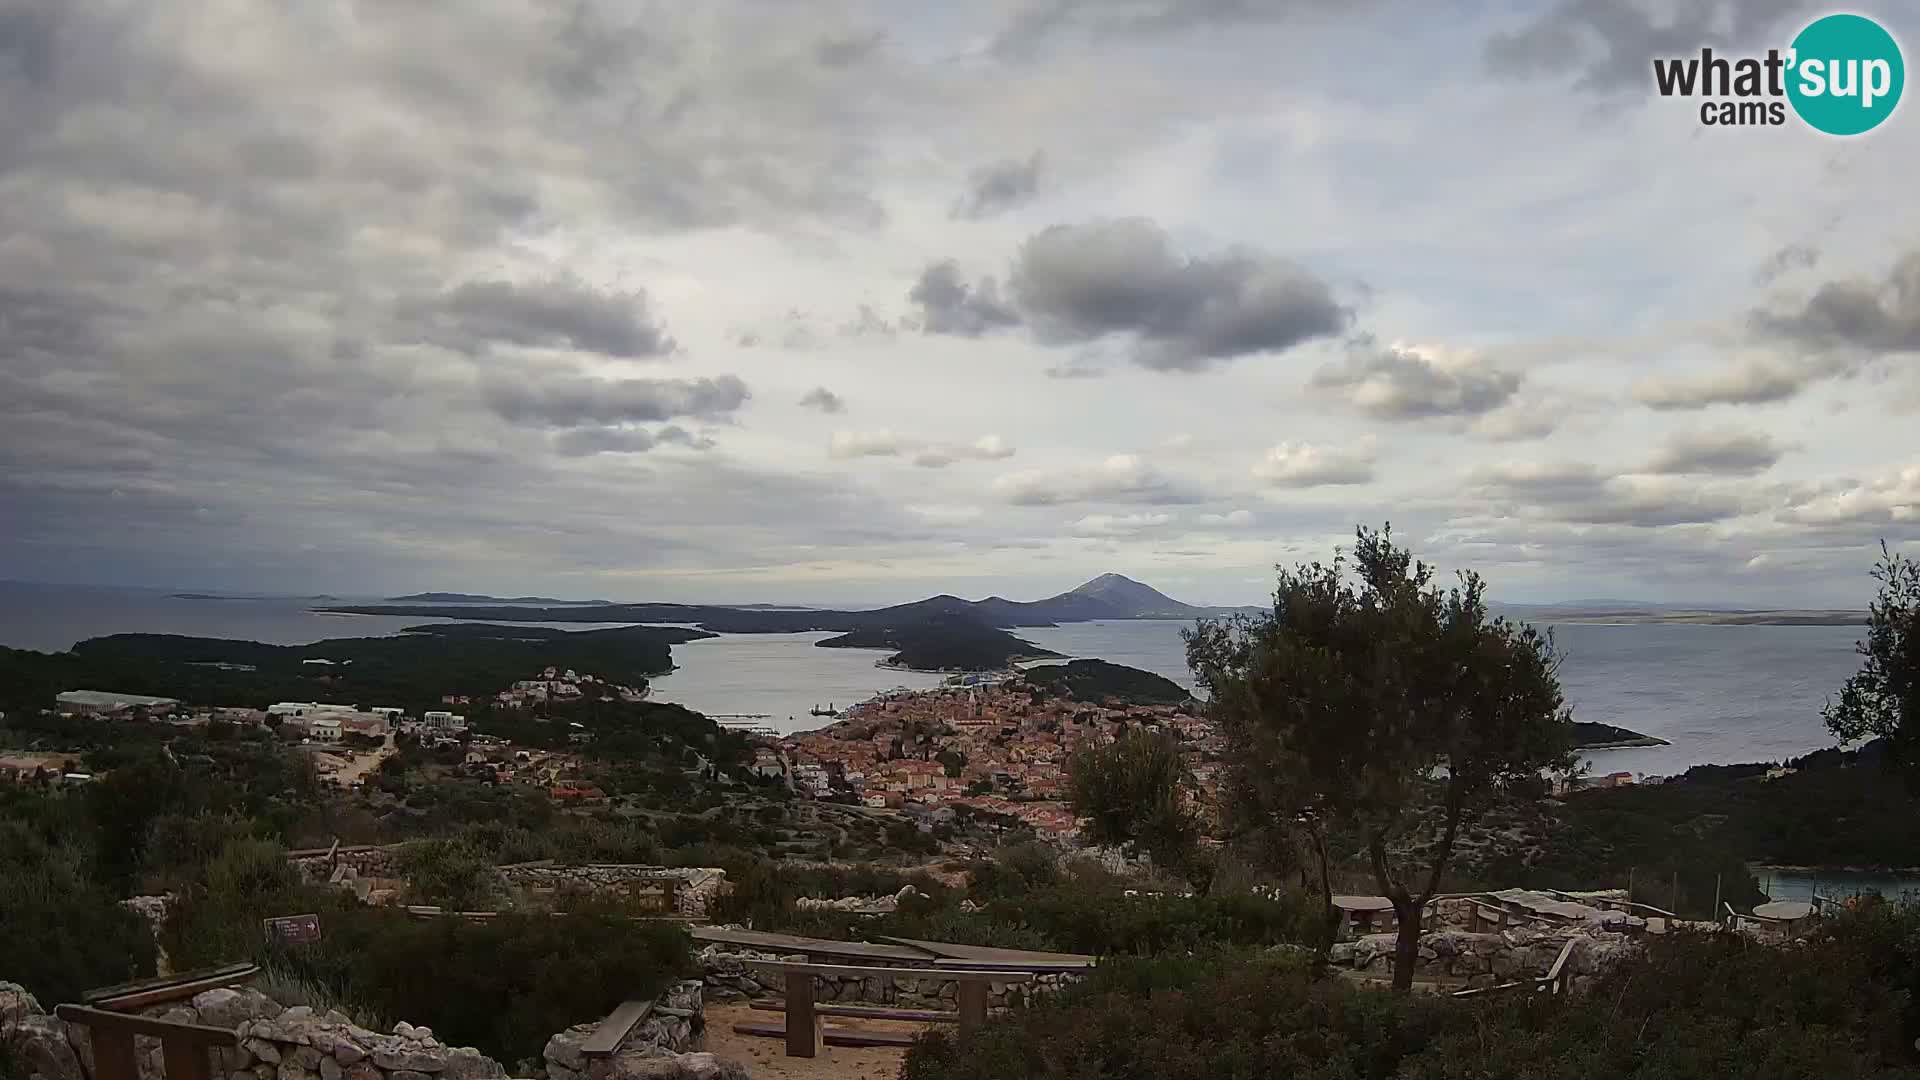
(61, 932)
(1837, 1005)
(504, 985)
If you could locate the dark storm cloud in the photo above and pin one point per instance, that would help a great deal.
(1788, 259)
(1726, 451)
(553, 314)
(1082, 283)
(948, 305)
(999, 187)
(1400, 384)
(1610, 44)
(1880, 316)
(570, 400)
(824, 400)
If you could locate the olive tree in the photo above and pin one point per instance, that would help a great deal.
(1130, 792)
(1882, 699)
(1367, 697)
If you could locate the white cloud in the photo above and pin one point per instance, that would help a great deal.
(1120, 478)
(1299, 464)
(1232, 519)
(1120, 524)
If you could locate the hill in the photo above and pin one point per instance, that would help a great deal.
(942, 642)
(1109, 596)
(1591, 736)
(479, 598)
(412, 670)
(1097, 680)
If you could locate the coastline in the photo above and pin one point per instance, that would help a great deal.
(887, 662)
(1625, 744)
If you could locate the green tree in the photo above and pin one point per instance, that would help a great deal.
(1363, 699)
(1882, 699)
(1130, 792)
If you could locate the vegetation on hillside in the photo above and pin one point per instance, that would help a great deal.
(1882, 699)
(1839, 1006)
(1097, 681)
(942, 643)
(412, 671)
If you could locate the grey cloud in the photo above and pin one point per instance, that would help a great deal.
(1581, 494)
(1875, 316)
(1788, 259)
(1082, 283)
(555, 314)
(1122, 478)
(587, 441)
(824, 400)
(1610, 44)
(1754, 382)
(1401, 384)
(1034, 23)
(949, 306)
(567, 401)
(848, 50)
(1726, 451)
(1000, 186)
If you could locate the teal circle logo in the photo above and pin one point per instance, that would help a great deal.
(1845, 74)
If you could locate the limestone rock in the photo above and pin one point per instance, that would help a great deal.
(348, 1053)
(267, 1052)
(38, 1042)
(419, 1061)
(330, 1069)
(406, 1074)
(675, 1067)
(363, 1071)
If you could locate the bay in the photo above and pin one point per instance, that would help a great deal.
(1718, 694)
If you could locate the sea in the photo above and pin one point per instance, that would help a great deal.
(1717, 694)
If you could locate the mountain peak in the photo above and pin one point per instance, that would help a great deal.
(1127, 595)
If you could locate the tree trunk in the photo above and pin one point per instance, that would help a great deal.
(1329, 915)
(1406, 950)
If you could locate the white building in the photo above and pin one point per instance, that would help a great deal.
(307, 708)
(441, 720)
(104, 703)
(324, 729)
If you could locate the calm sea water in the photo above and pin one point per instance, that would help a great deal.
(1716, 693)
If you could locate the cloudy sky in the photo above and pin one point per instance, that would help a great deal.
(857, 301)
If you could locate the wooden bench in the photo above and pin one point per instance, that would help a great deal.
(614, 1029)
(868, 1012)
(803, 1030)
(184, 1048)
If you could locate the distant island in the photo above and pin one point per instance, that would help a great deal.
(1109, 596)
(1591, 736)
(1629, 613)
(950, 643)
(479, 598)
(206, 596)
(1098, 681)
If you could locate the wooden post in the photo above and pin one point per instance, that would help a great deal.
(1675, 905)
(803, 1025)
(973, 1005)
(113, 1057)
(1630, 886)
(1716, 896)
(184, 1060)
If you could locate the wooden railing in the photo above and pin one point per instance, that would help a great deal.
(185, 1049)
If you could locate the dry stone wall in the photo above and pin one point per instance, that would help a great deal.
(276, 1043)
(728, 978)
(1490, 959)
(696, 888)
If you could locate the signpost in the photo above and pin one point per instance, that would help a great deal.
(293, 930)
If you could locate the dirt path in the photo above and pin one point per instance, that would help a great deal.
(767, 1058)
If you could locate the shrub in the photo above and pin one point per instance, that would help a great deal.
(61, 932)
(504, 985)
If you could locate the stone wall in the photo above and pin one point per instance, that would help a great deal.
(1489, 959)
(276, 1043)
(727, 978)
(697, 886)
